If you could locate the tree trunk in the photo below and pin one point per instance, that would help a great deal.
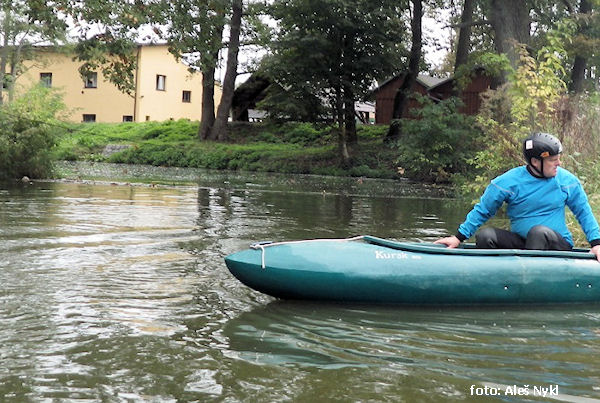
(4, 51)
(350, 122)
(219, 130)
(402, 96)
(3, 57)
(341, 123)
(15, 62)
(511, 24)
(208, 84)
(463, 45)
(349, 117)
(580, 63)
(208, 103)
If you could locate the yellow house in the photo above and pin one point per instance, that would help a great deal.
(164, 88)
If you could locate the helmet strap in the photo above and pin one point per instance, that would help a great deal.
(538, 173)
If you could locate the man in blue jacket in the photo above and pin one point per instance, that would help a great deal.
(536, 196)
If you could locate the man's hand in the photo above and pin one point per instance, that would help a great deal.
(453, 242)
(596, 251)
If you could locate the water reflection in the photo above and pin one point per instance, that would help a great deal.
(119, 293)
(455, 346)
(252, 215)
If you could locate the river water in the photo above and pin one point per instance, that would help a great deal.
(117, 292)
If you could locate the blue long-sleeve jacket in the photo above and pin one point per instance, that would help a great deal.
(534, 201)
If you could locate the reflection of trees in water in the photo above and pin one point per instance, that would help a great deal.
(284, 215)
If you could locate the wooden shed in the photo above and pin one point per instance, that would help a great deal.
(470, 95)
(385, 93)
(436, 88)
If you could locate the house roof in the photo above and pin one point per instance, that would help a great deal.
(452, 78)
(430, 81)
(423, 79)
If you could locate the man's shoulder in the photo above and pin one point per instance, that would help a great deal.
(565, 173)
(514, 174)
(565, 176)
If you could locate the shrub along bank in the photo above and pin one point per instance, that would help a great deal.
(439, 145)
(288, 148)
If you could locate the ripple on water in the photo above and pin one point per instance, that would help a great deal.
(119, 293)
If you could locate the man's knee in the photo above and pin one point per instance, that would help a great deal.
(486, 238)
(541, 237)
(544, 238)
(540, 231)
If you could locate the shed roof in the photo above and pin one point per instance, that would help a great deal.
(425, 80)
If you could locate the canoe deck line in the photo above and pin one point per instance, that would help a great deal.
(464, 249)
(370, 269)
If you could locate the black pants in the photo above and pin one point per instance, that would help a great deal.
(539, 237)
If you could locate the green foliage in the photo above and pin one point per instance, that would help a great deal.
(302, 133)
(538, 83)
(28, 131)
(86, 140)
(289, 147)
(371, 132)
(23, 25)
(247, 157)
(115, 57)
(439, 142)
(333, 53)
(298, 104)
(194, 27)
(527, 103)
(112, 49)
(493, 64)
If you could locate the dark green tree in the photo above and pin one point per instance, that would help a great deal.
(402, 96)
(194, 31)
(335, 51)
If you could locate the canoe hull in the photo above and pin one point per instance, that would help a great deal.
(397, 273)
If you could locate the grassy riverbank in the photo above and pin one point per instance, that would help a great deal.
(291, 148)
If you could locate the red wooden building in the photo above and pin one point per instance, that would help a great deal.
(436, 88)
(470, 95)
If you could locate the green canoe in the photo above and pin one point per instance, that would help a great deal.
(374, 270)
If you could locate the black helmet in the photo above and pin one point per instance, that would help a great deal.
(541, 145)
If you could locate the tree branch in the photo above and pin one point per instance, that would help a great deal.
(469, 24)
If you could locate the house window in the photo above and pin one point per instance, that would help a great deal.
(127, 118)
(91, 80)
(161, 82)
(46, 79)
(186, 96)
(89, 118)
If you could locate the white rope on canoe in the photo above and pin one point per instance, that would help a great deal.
(263, 245)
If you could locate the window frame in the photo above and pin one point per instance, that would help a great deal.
(46, 79)
(186, 96)
(161, 82)
(90, 80)
(89, 118)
